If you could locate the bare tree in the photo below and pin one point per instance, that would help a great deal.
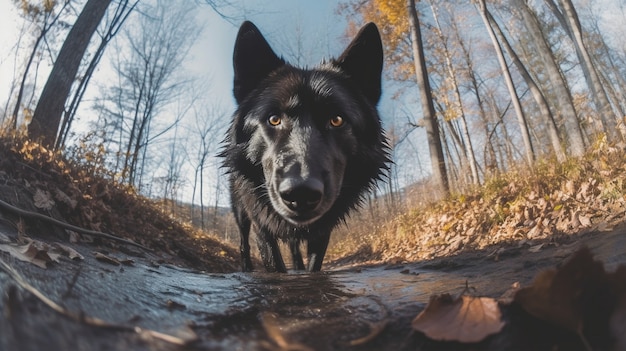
(121, 13)
(536, 92)
(568, 18)
(428, 109)
(147, 66)
(558, 84)
(521, 118)
(467, 146)
(47, 16)
(205, 141)
(49, 110)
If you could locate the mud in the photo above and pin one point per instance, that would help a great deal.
(344, 308)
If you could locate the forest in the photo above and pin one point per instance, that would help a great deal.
(473, 89)
(505, 121)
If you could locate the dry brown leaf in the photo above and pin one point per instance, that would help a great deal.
(35, 252)
(64, 198)
(465, 319)
(43, 199)
(74, 237)
(106, 259)
(68, 251)
(127, 262)
(509, 295)
(558, 296)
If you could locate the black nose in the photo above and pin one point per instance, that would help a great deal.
(301, 195)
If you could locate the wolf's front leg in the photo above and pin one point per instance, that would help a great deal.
(270, 253)
(316, 250)
(243, 223)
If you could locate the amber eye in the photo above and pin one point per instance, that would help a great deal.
(336, 121)
(274, 120)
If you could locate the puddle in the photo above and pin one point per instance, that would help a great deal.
(368, 308)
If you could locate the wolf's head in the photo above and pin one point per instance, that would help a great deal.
(310, 138)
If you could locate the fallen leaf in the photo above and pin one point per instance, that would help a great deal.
(585, 221)
(465, 319)
(64, 198)
(106, 259)
(509, 295)
(127, 262)
(43, 199)
(35, 252)
(74, 237)
(571, 297)
(68, 251)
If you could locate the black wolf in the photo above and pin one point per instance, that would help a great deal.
(304, 147)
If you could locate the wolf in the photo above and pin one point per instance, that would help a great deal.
(304, 145)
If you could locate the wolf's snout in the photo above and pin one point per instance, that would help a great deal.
(301, 195)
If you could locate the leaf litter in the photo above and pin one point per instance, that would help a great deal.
(39, 253)
(580, 296)
(465, 319)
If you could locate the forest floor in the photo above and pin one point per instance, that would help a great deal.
(136, 279)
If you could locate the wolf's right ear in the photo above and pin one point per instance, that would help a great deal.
(253, 60)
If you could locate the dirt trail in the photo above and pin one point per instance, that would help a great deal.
(346, 308)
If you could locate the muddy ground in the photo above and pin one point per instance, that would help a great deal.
(151, 301)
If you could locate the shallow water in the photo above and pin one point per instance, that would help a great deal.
(362, 308)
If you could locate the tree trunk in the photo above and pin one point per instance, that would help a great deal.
(51, 103)
(469, 149)
(428, 109)
(540, 99)
(121, 14)
(570, 22)
(559, 85)
(490, 159)
(521, 119)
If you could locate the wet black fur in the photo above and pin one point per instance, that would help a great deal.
(263, 85)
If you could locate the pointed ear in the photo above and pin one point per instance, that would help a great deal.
(253, 60)
(363, 61)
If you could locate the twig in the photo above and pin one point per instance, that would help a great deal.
(375, 330)
(88, 320)
(375, 327)
(270, 324)
(45, 218)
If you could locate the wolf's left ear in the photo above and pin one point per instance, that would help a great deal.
(253, 60)
(363, 61)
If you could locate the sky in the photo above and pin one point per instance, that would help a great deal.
(277, 20)
(283, 22)
(211, 56)
(313, 23)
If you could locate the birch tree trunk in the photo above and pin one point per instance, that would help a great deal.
(559, 85)
(540, 99)
(521, 119)
(570, 22)
(468, 148)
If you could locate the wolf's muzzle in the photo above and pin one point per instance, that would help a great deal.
(301, 195)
